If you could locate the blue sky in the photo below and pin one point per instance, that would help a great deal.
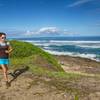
(46, 17)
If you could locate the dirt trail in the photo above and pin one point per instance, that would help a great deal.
(76, 71)
(29, 87)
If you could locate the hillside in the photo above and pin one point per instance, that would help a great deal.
(30, 55)
(35, 74)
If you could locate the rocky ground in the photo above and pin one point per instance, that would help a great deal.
(77, 64)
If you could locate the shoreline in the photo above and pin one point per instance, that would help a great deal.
(87, 56)
(77, 57)
(78, 64)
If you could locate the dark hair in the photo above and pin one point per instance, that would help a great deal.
(1, 33)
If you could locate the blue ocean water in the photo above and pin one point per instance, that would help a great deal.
(86, 47)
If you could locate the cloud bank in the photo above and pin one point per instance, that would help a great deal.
(48, 31)
(44, 31)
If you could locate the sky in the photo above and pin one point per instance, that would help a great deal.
(23, 18)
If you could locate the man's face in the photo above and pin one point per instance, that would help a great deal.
(3, 37)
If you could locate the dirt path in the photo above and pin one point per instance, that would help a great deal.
(29, 87)
(76, 71)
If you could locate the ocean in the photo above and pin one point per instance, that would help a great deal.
(86, 47)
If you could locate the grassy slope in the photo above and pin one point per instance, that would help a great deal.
(30, 55)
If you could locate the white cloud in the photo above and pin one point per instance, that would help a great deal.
(29, 33)
(79, 2)
(50, 30)
(44, 31)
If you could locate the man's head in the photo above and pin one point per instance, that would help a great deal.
(2, 36)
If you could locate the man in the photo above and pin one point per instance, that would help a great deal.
(5, 49)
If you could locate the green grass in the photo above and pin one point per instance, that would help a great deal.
(39, 61)
(26, 54)
(39, 70)
(23, 49)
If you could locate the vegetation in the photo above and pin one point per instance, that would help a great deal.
(27, 54)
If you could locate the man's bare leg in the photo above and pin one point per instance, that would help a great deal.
(5, 69)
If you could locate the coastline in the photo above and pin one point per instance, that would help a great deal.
(78, 64)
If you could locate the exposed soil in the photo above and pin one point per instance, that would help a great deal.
(28, 86)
